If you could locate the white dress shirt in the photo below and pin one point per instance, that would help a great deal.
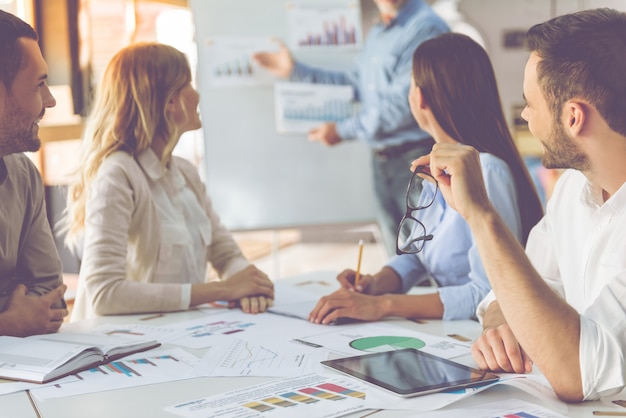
(579, 248)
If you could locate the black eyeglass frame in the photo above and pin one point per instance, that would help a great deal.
(408, 214)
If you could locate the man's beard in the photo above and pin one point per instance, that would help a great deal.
(562, 152)
(17, 132)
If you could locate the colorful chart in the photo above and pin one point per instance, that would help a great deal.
(386, 343)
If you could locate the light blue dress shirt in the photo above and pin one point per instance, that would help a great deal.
(381, 78)
(451, 258)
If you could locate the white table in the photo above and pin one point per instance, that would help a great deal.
(149, 401)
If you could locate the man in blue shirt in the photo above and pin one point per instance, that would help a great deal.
(381, 80)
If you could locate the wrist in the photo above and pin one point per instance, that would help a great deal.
(386, 281)
(386, 305)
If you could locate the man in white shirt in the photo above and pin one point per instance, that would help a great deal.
(562, 304)
(31, 288)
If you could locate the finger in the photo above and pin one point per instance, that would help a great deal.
(346, 279)
(528, 363)
(53, 327)
(484, 349)
(263, 302)
(423, 160)
(58, 314)
(58, 292)
(515, 358)
(244, 303)
(316, 310)
(20, 289)
(365, 282)
(478, 357)
(324, 307)
(499, 356)
(254, 304)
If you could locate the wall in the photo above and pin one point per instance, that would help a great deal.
(257, 178)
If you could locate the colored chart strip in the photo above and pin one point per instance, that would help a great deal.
(279, 402)
(520, 415)
(298, 397)
(120, 367)
(258, 406)
(342, 390)
(142, 361)
(386, 343)
(124, 331)
(168, 357)
(321, 394)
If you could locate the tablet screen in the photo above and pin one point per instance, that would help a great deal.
(410, 372)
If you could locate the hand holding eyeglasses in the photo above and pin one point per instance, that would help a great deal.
(456, 169)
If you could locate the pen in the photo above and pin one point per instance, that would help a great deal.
(310, 344)
(610, 413)
(155, 316)
(357, 276)
(33, 403)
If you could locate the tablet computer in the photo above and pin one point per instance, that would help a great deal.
(410, 372)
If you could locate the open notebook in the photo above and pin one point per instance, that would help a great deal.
(42, 358)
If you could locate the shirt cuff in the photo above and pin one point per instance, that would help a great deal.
(407, 267)
(601, 361)
(346, 129)
(483, 305)
(185, 295)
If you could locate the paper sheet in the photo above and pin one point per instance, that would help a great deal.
(312, 395)
(244, 358)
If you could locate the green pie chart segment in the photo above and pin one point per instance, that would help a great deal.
(386, 343)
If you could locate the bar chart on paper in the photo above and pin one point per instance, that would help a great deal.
(300, 107)
(137, 370)
(312, 395)
(324, 24)
(230, 60)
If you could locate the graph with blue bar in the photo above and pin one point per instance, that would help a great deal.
(126, 367)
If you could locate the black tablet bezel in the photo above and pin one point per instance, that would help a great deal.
(478, 377)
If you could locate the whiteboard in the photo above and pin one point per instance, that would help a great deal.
(256, 177)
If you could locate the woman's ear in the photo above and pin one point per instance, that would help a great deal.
(421, 100)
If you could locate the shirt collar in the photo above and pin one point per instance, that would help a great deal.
(151, 164)
(407, 10)
(592, 197)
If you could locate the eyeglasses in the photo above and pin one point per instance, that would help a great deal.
(411, 232)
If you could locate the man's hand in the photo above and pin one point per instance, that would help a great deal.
(30, 314)
(458, 172)
(280, 63)
(326, 133)
(497, 349)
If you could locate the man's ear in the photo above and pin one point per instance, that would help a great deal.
(575, 117)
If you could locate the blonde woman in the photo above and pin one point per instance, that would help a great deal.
(142, 217)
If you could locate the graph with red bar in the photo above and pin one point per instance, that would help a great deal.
(325, 25)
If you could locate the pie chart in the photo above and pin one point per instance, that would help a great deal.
(386, 343)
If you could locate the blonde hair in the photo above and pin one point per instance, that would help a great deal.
(129, 112)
